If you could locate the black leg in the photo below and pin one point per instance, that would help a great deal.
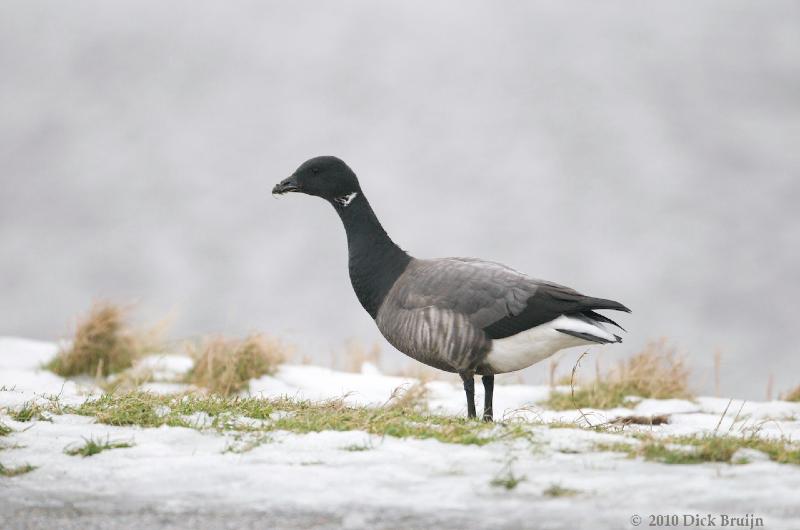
(469, 388)
(488, 388)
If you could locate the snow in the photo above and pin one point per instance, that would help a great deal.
(180, 472)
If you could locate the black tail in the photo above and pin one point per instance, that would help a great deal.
(601, 318)
(602, 303)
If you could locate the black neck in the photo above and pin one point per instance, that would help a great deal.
(375, 262)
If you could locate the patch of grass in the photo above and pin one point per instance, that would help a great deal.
(617, 447)
(559, 424)
(144, 410)
(5, 430)
(356, 448)
(793, 395)
(4, 447)
(246, 441)
(103, 344)
(702, 449)
(507, 479)
(152, 410)
(297, 416)
(659, 419)
(667, 453)
(225, 366)
(780, 451)
(92, 446)
(556, 490)
(656, 372)
(30, 410)
(14, 471)
(390, 421)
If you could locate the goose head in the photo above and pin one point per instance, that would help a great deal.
(327, 177)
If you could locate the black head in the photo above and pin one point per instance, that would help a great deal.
(323, 176)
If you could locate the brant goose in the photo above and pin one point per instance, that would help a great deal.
(461, 315)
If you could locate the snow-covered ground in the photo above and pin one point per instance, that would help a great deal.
(175, 477)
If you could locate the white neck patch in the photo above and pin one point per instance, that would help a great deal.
(345, 200)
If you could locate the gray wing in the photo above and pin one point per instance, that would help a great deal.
(495, 298)
(481, 290)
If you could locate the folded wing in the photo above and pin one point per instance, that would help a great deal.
(495, 298)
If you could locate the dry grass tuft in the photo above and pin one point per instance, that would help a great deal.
(103, 345)
(356, 354)
(226, 366)
(656, 372)
(128, 380)
(793, 395)
(413, 397)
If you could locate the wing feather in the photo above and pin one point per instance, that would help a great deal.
(495, 298)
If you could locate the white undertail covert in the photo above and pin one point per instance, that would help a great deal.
(536, 344)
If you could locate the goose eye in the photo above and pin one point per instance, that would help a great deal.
(315, 170)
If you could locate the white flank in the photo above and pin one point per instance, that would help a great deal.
(536, 344)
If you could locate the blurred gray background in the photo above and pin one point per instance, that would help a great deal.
(646, 152)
